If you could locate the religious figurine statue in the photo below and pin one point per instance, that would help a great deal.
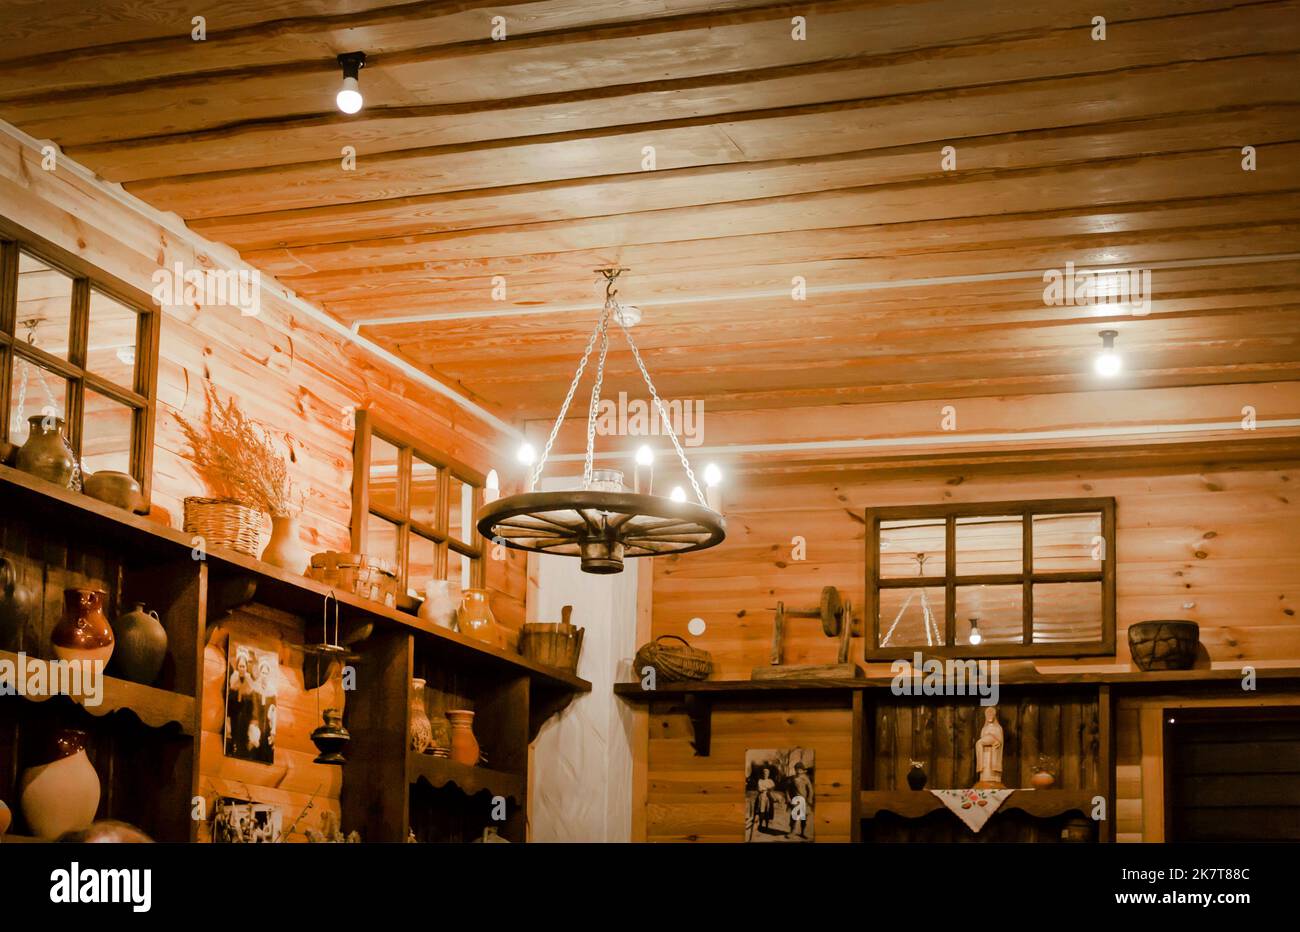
(988, 752)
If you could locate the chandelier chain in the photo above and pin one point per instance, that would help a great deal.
(564, 408)
(663, 415)
(601, 332)
(595, 392)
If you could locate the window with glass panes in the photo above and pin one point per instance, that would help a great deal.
(991, 579)
(414, 507)
(74, 346)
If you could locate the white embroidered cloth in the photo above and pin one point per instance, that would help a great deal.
(973, 806)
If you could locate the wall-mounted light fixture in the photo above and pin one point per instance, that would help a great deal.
(349, 97)
(1108, 361)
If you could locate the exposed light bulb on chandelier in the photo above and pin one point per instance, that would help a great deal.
(975, 636)
(349, 98)
(526, 454)
(712, 474)
(644, 455)
(678, 494)
(1108, 361)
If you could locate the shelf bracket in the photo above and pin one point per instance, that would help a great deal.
(699, 709)
(544, 705)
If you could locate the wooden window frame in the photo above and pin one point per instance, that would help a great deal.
(140, 397)
(410, 448)
(1026, 510)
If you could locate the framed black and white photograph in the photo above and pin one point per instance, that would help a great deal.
(252, 677)
(780, 795)
(240, 822)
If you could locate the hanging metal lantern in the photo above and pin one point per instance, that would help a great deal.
(601, 524)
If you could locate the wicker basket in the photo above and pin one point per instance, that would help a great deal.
(223, 523)
(368, 577)
(672, 662)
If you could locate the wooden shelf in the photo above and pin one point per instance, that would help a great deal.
(276, 588)
(439, 771)
(632, 692)
(913, 804)
(155, 707)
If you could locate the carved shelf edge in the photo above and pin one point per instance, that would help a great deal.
(154, 707)
(439, 771)
(913, 804)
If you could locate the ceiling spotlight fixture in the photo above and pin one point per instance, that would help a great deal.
(1108, 362)
(349, 98)
(601, 523)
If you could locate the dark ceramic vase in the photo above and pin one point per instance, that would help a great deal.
(141, 645)
(47, 453)
(1166, 644)
(84, 633)
(917, 777)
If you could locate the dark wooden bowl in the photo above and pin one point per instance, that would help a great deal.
(1164, 645)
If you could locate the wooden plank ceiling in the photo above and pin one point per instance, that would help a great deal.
(774, 158)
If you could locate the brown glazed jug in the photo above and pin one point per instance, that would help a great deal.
(61, 794)
(84, 633)
(47, 452)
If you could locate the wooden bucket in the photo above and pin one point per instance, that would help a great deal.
(556, 644)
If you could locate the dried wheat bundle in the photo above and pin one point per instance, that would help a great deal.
(237, 458)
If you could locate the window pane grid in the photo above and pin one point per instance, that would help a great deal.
(45, 338)
(417, 503)
(1074, 591)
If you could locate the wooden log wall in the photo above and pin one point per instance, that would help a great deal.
(1211, 542)
(702, 799)
(289, 372)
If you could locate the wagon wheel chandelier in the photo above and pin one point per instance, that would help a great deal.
(602, 524)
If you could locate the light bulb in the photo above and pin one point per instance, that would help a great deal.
(975, 636)
(526, 454)
(644, 455)
(712, 474)
(678, 494)
(1108, 362)
(349, 97)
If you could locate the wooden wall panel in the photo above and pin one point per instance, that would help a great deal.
(295, 784)
(1219, 539)
(301, 381)
(1215, 545)
(702, 799)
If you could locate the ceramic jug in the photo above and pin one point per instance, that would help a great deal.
(141, 645)
(62, 793)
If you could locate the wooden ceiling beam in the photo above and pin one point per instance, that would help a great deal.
(580, 199)
(842, 126)
(387, 125)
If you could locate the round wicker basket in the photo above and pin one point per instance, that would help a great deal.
(672, 662)
(225, 524)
